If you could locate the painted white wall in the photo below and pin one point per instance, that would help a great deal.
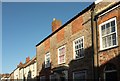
(4, 79)
(21, 74)
(32, 68)
(16, 74)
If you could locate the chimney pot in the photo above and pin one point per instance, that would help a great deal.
(56, 24)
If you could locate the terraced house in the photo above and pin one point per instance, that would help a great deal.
(25, 71)
(87, 47)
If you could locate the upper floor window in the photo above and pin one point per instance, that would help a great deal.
(79, 76)
(108, 34)
(47, 60)
(61, 54)
(78, 46)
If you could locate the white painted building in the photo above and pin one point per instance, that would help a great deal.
(30, 69)
(5, 77)
(26, 71)
(16, 74)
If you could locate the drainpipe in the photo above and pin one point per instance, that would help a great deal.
(96, 25)
(92, 32)
(94, 44)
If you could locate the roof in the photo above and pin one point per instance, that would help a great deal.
(5, 75)
(30, 62)
(83, 11)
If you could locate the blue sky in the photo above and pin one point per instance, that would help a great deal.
(25, 24)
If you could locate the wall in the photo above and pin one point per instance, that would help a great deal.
(113, 54)
(81, 26)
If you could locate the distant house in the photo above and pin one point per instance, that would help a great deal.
(5, 77)
(25, 71)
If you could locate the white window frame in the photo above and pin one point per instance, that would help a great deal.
(64, 55)
(47, 65)
(79, 71)
(101, 45)
(74, 54)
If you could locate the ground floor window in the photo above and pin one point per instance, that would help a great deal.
(53, 77)
(79, 76)
(110, 73)
(42, 78)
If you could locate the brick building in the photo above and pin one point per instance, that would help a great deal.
(84, 48)
(107, 40)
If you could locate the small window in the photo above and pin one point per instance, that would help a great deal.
(79, 76)
(47, 60)
(61, 54)
(78, 46)
(108, 34)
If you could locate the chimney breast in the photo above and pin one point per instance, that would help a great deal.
(27, 59)
(56, 24)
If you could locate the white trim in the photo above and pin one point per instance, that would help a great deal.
(109, 10)
(64, 55)
(101, 47)
(74, 54)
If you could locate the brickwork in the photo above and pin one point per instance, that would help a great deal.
(47, 44)
(77, 25)
(60, 35)
(80, 26)
(109, 55)
(106, 55)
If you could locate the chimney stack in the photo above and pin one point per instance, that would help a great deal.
(20, 64)
(27, 59)
(56, 24)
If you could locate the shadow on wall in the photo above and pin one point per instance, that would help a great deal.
(85, 63)
(29, 75)
(106, 72)
(110, 70)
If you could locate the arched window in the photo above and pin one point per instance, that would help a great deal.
(110, 72)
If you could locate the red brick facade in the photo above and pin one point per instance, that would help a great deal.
(95, 60)
(77, 25)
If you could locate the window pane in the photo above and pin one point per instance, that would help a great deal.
(114, 39)
(113, 26)
(107, 28)
(113, 29)
(103, 30)
(109, 40)
(113, 23)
